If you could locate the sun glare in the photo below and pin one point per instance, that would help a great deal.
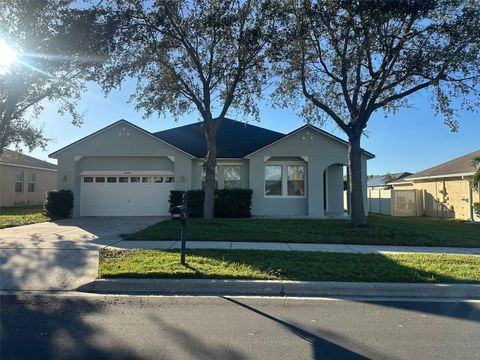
(7, 56)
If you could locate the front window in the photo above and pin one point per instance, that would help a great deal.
(273, 180)
(32, 179)
(296, 180)
(231, 177)
(19, 181)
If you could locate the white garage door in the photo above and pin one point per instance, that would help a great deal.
(115, 195)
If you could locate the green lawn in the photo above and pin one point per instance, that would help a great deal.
(385, 230)
(285, 265)
(16, 216)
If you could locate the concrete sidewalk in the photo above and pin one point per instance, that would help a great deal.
(335, 248)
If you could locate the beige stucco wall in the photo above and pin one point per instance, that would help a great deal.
(45, 180)
(448, 197)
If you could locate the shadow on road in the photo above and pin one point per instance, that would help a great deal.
(457, 310)
(195, 346)
(55, 329)
(321, 348)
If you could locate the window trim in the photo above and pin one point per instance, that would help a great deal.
(304, 180)
(21, 182)
(284, 165)
(282, 173)
(34, 183)
(239, 177)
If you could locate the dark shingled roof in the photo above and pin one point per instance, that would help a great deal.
(235, 139)
(17, 158)
(461, 165)
(379, 180)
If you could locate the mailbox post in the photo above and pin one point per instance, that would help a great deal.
(181, 213)
(183, 231)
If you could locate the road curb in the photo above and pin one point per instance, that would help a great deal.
(280, 288)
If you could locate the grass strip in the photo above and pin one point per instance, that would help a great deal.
(381, 230)
(16, 216)
(287, 265)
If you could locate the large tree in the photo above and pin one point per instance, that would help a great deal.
(52, 49)
(206, 56)
(348, 59)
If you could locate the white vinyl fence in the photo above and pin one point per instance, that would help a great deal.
(380, 201)
(396, 202)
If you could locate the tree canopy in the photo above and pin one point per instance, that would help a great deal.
(206, 56)
(56, 48)
(345, 60)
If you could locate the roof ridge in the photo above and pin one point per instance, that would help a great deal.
(229, 119)
(27, 156)
(450, 161)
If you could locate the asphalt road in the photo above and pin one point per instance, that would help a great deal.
(142, 327)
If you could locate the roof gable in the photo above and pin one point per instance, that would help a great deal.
(121, 121)
(235, 139)
(322, 132)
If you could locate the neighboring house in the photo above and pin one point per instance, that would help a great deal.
(125, 170)
(379, 182)
(446, 188)
(24, 180)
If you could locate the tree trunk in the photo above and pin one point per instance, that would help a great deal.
(209, 166)
(356, 188)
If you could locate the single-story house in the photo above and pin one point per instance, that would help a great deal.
(123, 169)
(446, 188)
(24, 180)
(380, 182)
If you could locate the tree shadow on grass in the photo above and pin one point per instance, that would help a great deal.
(318, 266)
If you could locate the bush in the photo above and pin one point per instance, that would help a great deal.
(59, 203)
(194, 204)
(476, 208)
(231, 203)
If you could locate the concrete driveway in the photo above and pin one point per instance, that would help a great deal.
(61, 255)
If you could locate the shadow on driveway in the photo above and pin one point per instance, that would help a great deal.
(60, 255)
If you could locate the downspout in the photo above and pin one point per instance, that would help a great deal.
(444, 198)
(470, 198)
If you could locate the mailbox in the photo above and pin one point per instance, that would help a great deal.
(178, 212)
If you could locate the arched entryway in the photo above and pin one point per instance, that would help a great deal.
(336, 197)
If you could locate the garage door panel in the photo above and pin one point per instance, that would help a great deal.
(125, 199)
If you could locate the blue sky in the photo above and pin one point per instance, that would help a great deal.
(411, 140)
